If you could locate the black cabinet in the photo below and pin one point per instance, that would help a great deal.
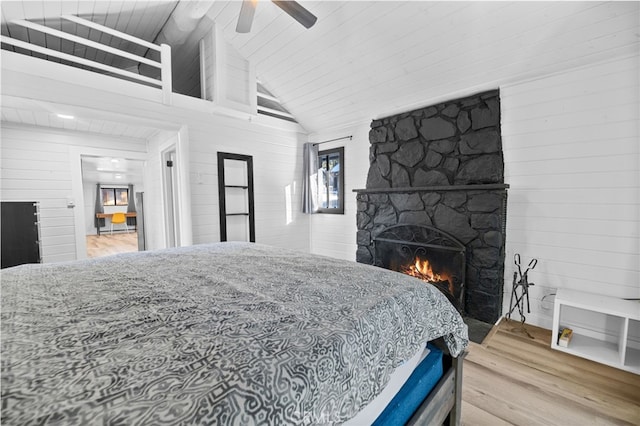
(20, 233)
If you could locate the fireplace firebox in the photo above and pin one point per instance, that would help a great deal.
(425, 253)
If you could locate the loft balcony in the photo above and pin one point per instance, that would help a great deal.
(120, 62)
(226, 82)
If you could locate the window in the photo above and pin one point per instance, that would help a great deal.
(115, 196)
(331, 181)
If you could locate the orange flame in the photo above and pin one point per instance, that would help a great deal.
(423, 270)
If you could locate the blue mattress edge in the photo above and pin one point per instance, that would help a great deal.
(415, 390)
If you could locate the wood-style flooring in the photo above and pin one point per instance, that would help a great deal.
(107, 244)
(512, 379)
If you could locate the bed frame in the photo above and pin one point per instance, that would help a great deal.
(444, 403)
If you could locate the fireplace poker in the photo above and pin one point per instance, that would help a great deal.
(525, 279)
(530, 266)
(513, 294)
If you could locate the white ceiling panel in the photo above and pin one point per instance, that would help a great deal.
(113, 170)
(44, 114)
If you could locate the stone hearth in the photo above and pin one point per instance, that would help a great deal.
(442, 166)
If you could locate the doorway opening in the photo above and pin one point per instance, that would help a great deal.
(112, 189)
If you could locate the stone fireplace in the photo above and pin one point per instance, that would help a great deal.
(440, 169)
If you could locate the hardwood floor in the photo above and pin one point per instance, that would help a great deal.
(512, 379)
(106, 244)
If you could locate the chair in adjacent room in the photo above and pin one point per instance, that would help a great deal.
(119, 219)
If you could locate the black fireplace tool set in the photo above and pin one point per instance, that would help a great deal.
(520, 291)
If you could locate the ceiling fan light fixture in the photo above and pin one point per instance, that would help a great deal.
(297, 12)
(245, 18)
(291, 8)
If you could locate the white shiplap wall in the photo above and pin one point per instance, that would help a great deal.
(333, 234)
(276, 146)
(36, 166)
(572, 158)
(229, 79)
(277, 169)
(238, 77)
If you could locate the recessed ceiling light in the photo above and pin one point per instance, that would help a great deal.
(66, 116)
(114, 160)
(118, 176)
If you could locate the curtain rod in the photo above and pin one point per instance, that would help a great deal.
(350, 137)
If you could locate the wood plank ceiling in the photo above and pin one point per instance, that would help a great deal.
(44, 114)
(367, 59)
(143, 19)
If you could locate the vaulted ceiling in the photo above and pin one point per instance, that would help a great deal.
(364, 60)
(367, 59)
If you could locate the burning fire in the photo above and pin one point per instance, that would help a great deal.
(422, 269)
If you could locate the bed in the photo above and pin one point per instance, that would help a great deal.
(228, 333)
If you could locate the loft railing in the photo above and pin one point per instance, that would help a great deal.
(164, 81)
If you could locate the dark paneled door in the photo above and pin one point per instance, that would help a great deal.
(20, 239)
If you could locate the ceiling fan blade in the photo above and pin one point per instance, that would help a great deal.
(245, 19)
(297, 12)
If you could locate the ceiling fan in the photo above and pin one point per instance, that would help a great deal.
(292, 8)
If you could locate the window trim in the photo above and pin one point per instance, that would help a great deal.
(340, 208)
(115, 198)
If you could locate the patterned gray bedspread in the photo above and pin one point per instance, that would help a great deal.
(229, 333)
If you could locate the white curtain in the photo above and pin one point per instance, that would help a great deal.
(310, 178)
